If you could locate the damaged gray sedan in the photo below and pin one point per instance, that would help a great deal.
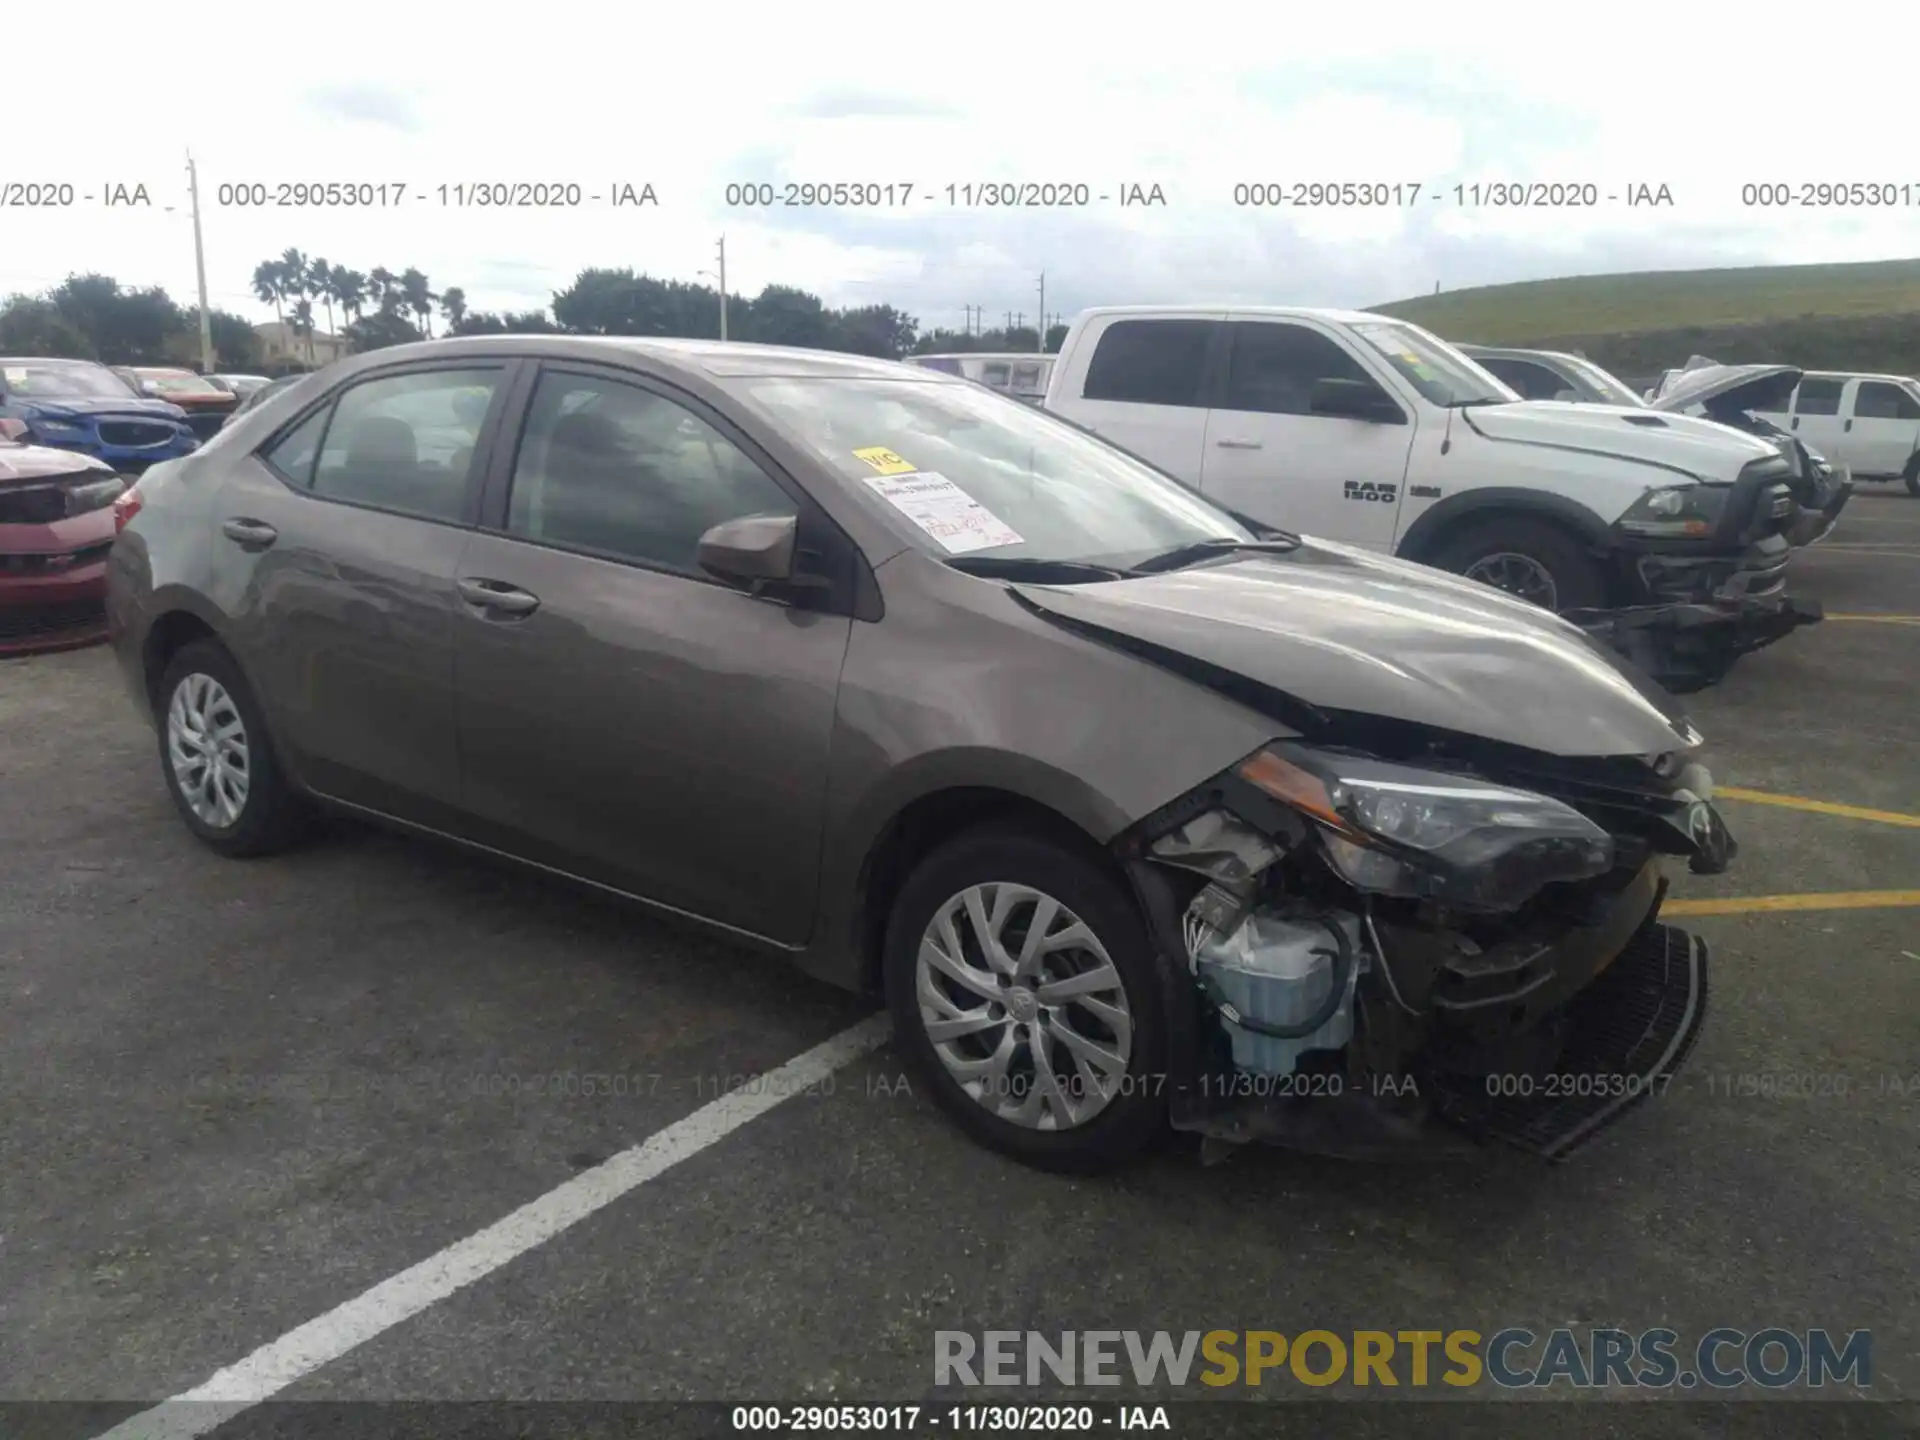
(1136, 813)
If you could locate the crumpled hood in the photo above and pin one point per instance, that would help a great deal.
(132, 406)
(25, 464)
(1731, 389)
(1698, 447)
(1346, 630)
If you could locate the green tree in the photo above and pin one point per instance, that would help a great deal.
(297, 275)
(234, 340)
(877, 330)
(379, 330)
(453, 305)
(385, 289)
(350, 289)
(270, 286)
(33, 325)
(417, 297)
(487, 322)
(320, 277)
(782, 315)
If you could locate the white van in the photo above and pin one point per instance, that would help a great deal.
(1023, 376)
(1868, 423)
(1360, 428)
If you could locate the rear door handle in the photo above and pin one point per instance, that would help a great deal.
(1847, 426)
(498, 596)
(1238, 444)
(249, 534)
(1796, 422)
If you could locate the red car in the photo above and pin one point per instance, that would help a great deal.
(56, 527)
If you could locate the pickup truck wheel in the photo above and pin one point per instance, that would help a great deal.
(1912, 475)
(1530, 559)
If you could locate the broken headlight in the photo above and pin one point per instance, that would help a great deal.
(1427, 835)
(1687, 512)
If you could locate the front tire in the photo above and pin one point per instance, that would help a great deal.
(1025, 996)
(1912, 474)
(218, 761)
(1529, 559)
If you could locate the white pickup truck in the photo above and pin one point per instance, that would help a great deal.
(1360, 428)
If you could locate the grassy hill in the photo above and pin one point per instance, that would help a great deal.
(1859, 316)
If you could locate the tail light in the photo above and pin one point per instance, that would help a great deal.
(125, 507)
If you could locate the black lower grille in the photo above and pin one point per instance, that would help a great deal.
(135, 432)
(32, 504)
(30, 622)
(46, 564)
(206, 424)
(1628, 1034)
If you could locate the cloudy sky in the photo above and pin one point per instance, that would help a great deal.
(1192, 98)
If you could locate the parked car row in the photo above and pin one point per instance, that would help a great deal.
(1138, 811)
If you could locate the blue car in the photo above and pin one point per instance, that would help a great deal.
(78, 405)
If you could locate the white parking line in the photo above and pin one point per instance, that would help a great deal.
(298, 1353)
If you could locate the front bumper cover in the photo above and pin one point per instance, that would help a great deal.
(1689, 646)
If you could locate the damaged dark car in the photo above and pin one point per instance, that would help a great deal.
(1138, 816)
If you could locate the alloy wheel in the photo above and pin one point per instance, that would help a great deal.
(1023, 1006)
(1518, 575)
(207, 747)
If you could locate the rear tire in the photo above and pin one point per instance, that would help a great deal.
(217, 759)
(1531, 559)
(1103, 1042)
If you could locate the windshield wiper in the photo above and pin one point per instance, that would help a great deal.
(1198, 550)
(1034, 568)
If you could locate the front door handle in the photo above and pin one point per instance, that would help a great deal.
(249, 534)
(1796, 422)
(498, 596)
(1238, 444)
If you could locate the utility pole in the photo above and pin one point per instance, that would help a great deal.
(1009, 320)
(723, 288)
(200, 270)
(1041, 345)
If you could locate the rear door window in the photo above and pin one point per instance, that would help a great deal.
(407, 442)
(1818, 395)
(1529, 380)
(1150, 362)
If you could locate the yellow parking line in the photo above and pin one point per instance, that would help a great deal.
(1881, 619)
(1818, 807)
(1835, 900)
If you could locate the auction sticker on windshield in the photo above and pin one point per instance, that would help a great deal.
(960, 523)
(884, 460)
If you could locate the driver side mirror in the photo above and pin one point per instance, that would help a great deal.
(1353, 400)
(753, 548)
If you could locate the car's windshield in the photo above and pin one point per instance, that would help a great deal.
(1610, 389)
(1438, 371)
(966, 471)
(166, 382)
(56, 380)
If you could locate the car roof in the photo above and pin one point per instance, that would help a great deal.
(729, 359)
(1276, 312)
(1858, 375)
(48, 360)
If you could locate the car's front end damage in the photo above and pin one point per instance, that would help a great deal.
(1457, 944)
(1427, 912)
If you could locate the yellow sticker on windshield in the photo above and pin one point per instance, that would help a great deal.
(885, 461)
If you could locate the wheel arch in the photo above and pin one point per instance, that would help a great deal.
(1441, 522)
(928, 802)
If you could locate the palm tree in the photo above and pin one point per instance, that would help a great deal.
(270, 287)
(299, 281)
(350, 289)
(417, 297)
(303, 324)
(321, 274)
(453, 305)
(384, 284)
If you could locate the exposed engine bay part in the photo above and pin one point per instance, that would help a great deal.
(1396, 958)
(1688, 647)
(1282, 985)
